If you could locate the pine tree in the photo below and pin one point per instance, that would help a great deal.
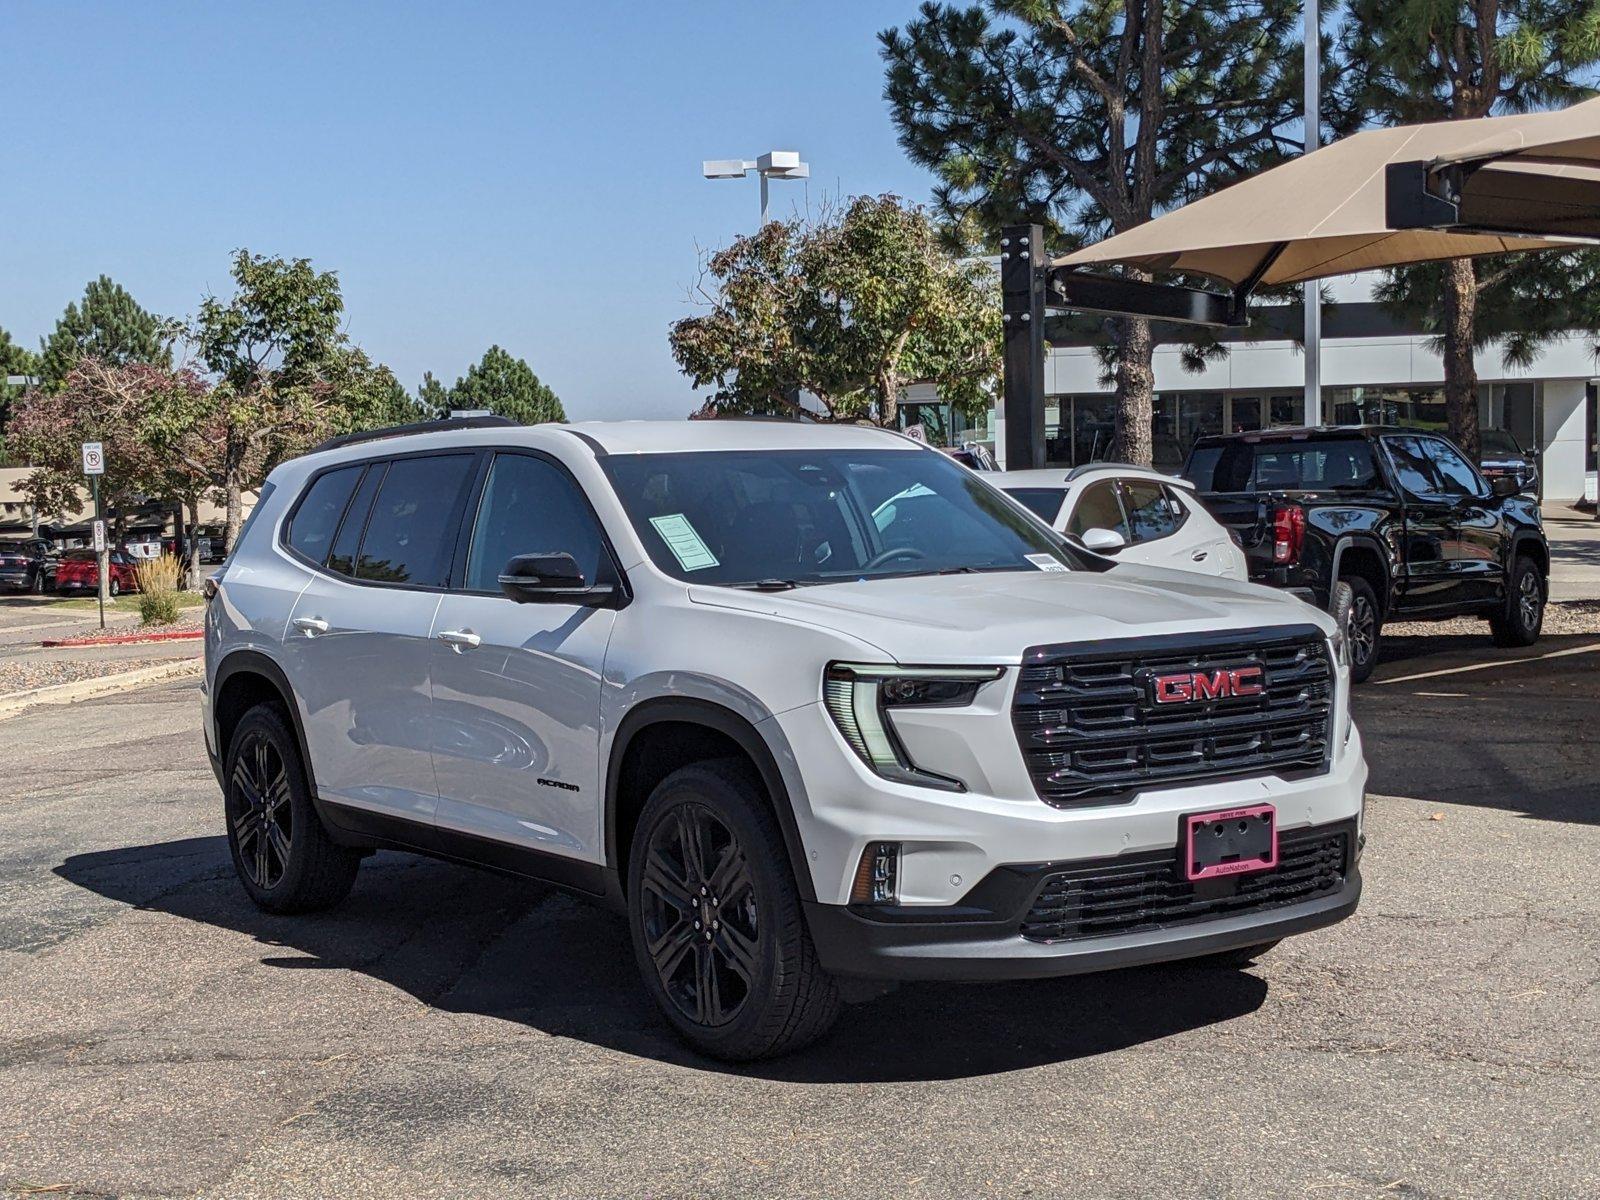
(1091, 117)
(1426, 60)
(108, 325)
(507, 387)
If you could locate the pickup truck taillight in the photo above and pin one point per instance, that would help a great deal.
(1288, 533)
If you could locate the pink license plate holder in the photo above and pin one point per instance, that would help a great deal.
(1230, 841)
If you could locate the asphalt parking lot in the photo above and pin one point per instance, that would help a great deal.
(448, 1032)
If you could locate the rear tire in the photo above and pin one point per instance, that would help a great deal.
(1236, 960)
(1523, 618)
(114, 588)
(38, 582)
(1366, 628)
(715, 916)
(283, 855)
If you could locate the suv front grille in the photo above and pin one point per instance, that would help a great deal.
(1090, 730)
(1135, 892)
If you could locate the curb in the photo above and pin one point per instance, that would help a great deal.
(124, 639)
(104, 685)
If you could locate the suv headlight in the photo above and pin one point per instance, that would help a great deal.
(859, 695)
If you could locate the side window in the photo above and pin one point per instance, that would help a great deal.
(347, 542)
(1459, 479)
(530, 506)
(1412, 467)
(411, 534)
(315, 521)
(1150, 512)
(1098, 508)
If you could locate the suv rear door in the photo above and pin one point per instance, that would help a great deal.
(357, 647)
(516, 687)
(1479, 519)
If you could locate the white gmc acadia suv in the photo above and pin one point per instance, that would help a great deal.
(816, 707)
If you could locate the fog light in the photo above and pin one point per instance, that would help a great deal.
(878, 875)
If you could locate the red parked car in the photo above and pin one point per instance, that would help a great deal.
(80, 572)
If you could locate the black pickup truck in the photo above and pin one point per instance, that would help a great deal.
(1399, 514)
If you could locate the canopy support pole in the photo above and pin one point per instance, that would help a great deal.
(1022, 309)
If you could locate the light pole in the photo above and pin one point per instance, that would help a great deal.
(1312, 295)
(774, 164)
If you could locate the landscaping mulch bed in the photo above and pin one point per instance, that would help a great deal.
(183, 627)
(37, 673)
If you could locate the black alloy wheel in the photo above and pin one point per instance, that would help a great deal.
(716, 921)
(1523, 618)
(1364, 629)
(700, 917)
(260, 813)
(284, 856)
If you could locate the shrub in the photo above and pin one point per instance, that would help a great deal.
(158, 590)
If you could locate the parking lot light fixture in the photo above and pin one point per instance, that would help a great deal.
(774, 164)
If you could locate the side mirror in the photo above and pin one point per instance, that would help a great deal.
(1104, 541)
(1505, 485)
(551, 579)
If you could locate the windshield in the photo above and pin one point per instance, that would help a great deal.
(1323, 465)
(782, 517)
(1499, 442)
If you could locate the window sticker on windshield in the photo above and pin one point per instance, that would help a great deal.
(692, 554)
(1046, 562)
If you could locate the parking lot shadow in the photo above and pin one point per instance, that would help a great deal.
(469, 941)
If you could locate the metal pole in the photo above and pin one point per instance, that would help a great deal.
(103, 558)
(1022, 324)
(764, 198)
(1312, 300)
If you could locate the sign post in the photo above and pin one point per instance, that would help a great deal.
(94, 466)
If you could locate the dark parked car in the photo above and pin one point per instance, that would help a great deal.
(1499, 456)
(1399, 514)
(79, 571)
(27, 564)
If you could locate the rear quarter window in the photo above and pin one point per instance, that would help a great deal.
(1044, 503)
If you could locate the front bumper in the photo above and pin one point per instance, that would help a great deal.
(970, 945)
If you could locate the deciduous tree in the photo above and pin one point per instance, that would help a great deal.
(850, 310)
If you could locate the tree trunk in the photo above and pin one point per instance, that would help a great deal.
(1460, 373)
(1132, 441)
(195, 567)
(232, 488)
(888, 400)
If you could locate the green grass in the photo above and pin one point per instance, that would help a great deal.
(126, 603)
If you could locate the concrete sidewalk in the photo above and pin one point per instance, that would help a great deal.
(1574, 553)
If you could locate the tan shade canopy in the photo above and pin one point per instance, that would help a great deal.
(1530, 183)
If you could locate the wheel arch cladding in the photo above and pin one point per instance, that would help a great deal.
(659, 736)
(1530, 545)
(1360, 556)
(245, 679)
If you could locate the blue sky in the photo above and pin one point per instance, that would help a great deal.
(526, 174)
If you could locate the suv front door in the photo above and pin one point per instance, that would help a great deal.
(357, 647)
(516, 687)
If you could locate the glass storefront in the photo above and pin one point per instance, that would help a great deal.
(1078, 429)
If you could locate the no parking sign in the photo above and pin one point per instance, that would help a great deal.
(94, 459)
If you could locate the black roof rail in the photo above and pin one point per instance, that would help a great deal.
(1083, 469)
(392, 431)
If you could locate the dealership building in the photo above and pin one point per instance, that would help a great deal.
(1374, 370)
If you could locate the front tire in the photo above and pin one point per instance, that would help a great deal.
(716, 921)
(283, 855)
(114, 588)
(1520, 624)
(1365, 631)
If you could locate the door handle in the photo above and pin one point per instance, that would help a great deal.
(1200, 555)
(460, 639)
(310, 626)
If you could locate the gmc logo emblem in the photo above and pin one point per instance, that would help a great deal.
(1188, 686)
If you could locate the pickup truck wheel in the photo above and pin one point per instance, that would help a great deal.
(1519, 625)
(1365, 629)
(716, 922)
(281, 852)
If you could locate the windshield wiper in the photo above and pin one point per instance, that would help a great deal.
(768, 585)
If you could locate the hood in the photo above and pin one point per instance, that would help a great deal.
(995, 617)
